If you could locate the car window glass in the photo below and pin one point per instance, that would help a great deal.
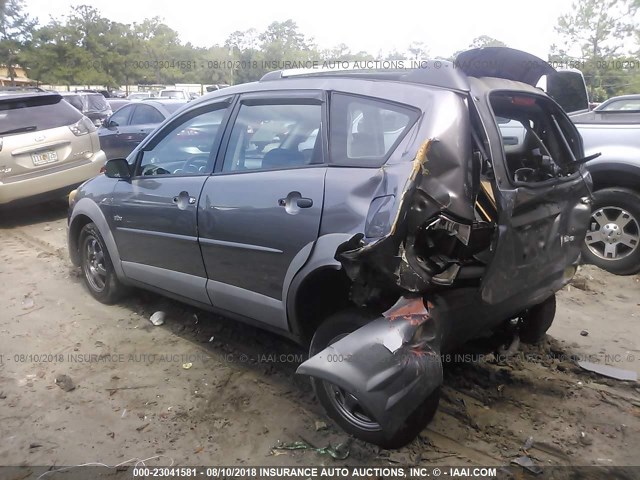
(146, 114)
(365, 131)
(185, 149)
(121, 117)
(623, 105)
(75, 100)
(36, 113)
(274, 136)
(96, 103)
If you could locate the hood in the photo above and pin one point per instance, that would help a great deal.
(503, 62)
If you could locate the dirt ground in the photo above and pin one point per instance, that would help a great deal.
(204, 390)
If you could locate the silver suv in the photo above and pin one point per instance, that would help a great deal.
(375, 216)
(47, 147)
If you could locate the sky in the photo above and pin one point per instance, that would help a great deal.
(443, 26)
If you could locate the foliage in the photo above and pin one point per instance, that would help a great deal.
(601, 34)
(15, 32)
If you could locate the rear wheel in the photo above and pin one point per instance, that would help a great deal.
(535, 321)
(98, 273)
(613, 239)
(343, 406)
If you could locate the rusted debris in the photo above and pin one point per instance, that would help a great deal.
(411, 309)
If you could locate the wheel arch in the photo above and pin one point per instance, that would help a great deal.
(84, 212)
(319, 288)
(615, 174)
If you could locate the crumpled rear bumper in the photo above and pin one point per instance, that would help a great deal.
(391, 365)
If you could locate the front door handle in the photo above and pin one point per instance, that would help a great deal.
(183, 199)
(304, 202)
(294, 202)
(300, 202)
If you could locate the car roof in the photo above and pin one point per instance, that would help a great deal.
(436, 73)
(68, 94)
(159, 101)
(7, 96)
(635, 96)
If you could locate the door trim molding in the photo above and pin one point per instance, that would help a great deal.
(183, 284)
(246, 246)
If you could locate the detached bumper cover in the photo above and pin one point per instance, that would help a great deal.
(390, 365)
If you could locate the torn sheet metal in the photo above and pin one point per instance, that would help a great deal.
(394, 256)
(390, 365)
(609, 371)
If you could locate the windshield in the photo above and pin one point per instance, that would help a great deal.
(622, 105)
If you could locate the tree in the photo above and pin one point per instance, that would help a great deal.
(15, 32)
(599, 31)
(486, 41)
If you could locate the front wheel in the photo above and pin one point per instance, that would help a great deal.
(613, 239)
(98, 273)
(343, 406)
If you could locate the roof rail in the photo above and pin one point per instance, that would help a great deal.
(439, 73)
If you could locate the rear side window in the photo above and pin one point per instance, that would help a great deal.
(365, 131)
(145, 114)
(36, 113)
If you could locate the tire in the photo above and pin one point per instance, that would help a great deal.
(535, 321)
(97, 269)
(613, 238)
(363, 426)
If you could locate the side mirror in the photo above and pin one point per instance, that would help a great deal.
(117, 168)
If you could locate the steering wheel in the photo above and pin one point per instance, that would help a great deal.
(152, 169)
(194, 163)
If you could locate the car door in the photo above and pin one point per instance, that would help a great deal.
(143, 120)
(112, 135)
(259, 214)
(154, 214)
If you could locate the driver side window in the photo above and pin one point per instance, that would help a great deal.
(186, 148)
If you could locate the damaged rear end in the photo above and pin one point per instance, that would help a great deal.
(483, 223)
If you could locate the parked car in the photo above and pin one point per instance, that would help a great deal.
(47, 147)
(140, 96)
(623, 103)
(128, 126)
(215, 87)
(613, 131)
(373, 215)
(92, 105)
(174, 93)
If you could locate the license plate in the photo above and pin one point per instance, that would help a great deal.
(44, 157)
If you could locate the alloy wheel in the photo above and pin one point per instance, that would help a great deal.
(613, 233)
